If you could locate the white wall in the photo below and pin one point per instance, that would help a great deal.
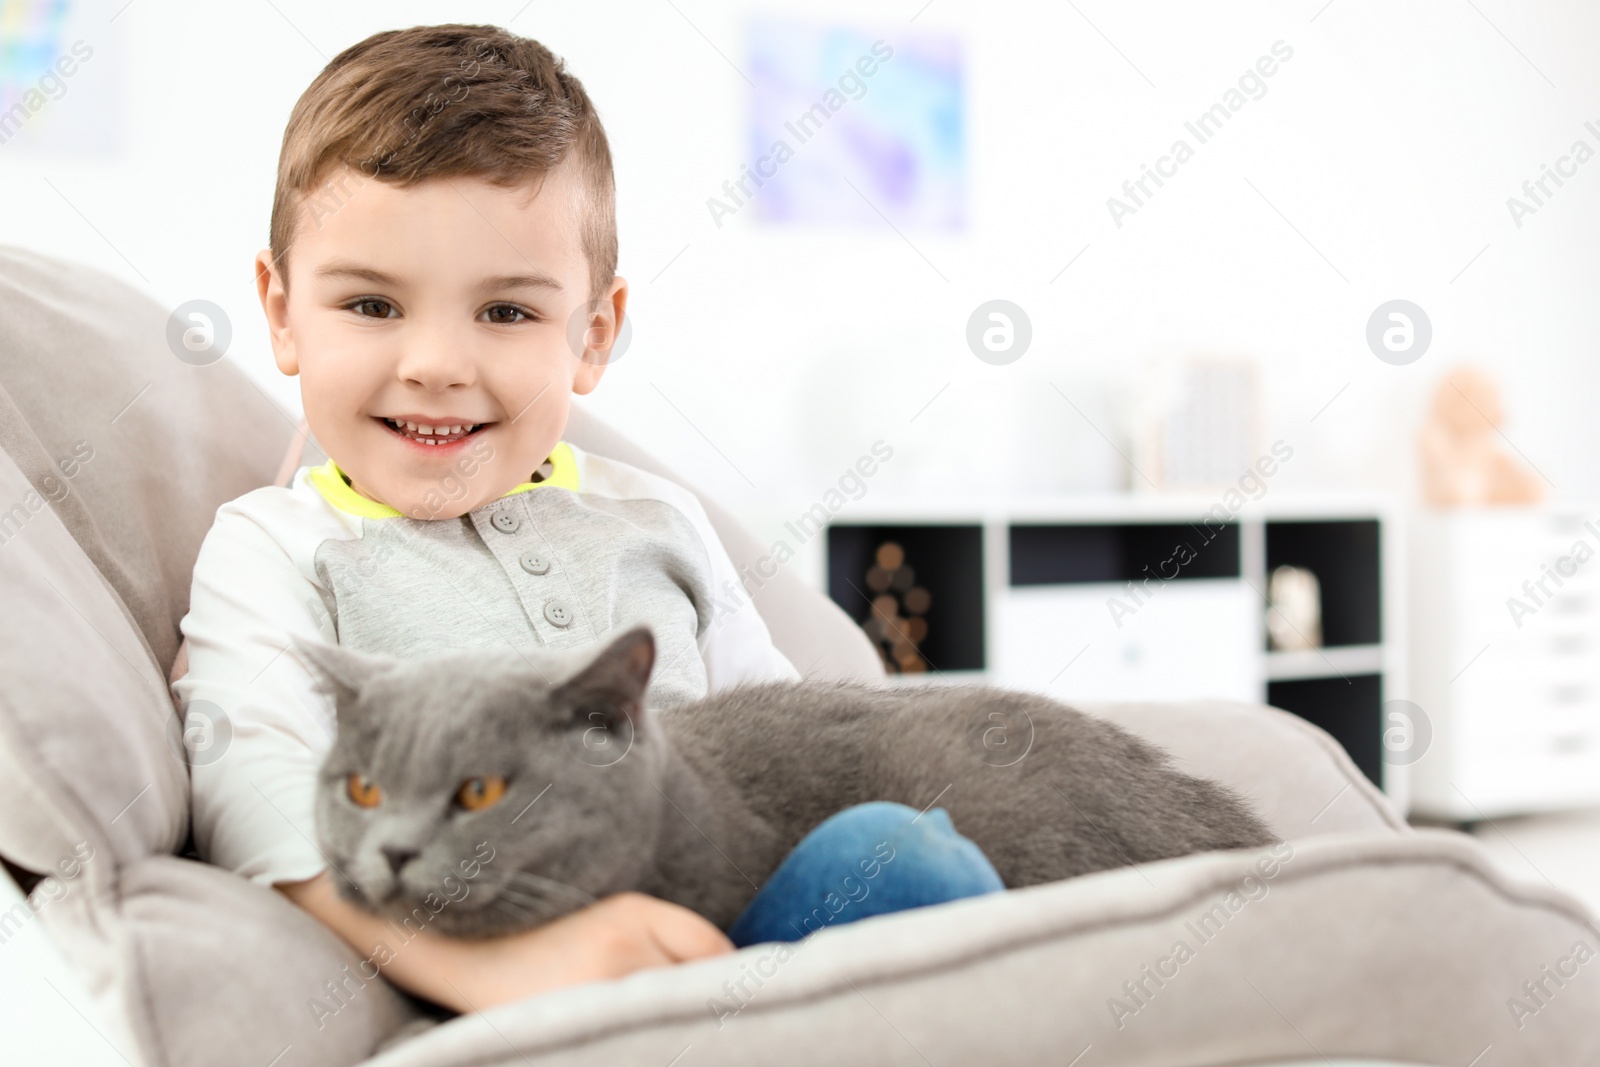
(1391, 141)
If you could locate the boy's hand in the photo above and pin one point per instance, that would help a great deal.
(608, 939)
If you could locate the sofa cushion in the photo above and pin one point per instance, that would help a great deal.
(85, 717)
(136, 448)
(222, 963)
(1409, 948)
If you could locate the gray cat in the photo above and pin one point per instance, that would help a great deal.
(500, 792)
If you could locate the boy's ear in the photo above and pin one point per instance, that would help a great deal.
(614, 682)
(593, 335)
(340, 672)
(270, 276)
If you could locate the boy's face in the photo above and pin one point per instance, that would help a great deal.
(444, 305)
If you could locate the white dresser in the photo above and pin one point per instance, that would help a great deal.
(1505, 647)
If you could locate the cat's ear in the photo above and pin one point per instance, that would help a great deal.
(629, 659)
(617, 676)
(340, 672)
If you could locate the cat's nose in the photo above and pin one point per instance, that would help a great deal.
(397, 856)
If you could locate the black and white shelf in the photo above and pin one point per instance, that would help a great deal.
(1138, 598)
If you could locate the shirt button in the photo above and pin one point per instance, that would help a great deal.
(505, 522)
(558, 613)
(534, 563)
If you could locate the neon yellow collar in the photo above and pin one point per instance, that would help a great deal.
(330, 481)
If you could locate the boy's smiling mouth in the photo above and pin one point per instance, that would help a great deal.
(431, 433)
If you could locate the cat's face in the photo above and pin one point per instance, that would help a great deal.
(476, 793)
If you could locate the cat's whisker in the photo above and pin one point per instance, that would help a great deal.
(518, 905)
(529, 880)
(535, 908)
(536, 894)
(525, 910)
(529, 906)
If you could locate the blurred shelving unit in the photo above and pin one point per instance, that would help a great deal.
(1140, 598)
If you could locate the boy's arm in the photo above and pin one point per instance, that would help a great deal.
(736, 644)
(256, 724)
(608, 939)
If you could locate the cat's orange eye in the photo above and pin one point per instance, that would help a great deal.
(366, 794)
(476, 794)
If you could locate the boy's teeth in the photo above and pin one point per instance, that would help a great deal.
(433, 431)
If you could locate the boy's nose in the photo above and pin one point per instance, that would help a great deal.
(435, 363)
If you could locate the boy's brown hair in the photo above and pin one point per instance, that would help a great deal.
(406, 106)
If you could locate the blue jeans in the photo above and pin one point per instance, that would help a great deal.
(867, 860)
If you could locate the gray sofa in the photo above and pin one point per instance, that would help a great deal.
(1364, 940)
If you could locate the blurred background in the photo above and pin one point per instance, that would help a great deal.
(1235, 351)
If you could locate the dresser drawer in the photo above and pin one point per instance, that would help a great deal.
(1092, 641)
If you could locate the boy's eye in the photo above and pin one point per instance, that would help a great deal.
(371, 308)
(476, 794)
(506, 314)
(365, 793)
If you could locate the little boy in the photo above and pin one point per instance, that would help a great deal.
(441, 277)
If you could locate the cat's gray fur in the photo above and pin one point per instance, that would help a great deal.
(699, 804)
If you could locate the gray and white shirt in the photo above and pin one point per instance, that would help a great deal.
(589, 549)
